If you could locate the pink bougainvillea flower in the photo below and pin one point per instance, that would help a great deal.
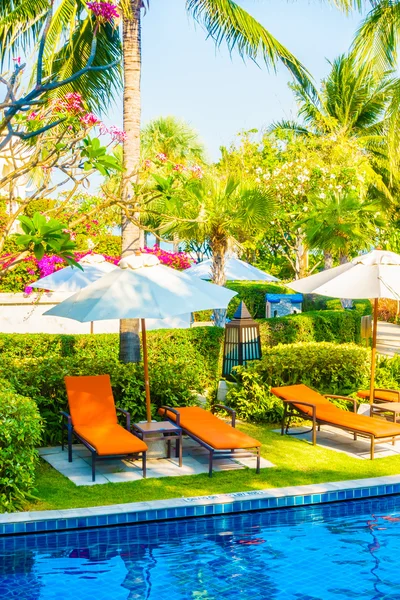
(104, 11)
(89, 119)
(161, 156)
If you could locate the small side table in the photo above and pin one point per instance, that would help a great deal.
(387, 407)
(167, 430)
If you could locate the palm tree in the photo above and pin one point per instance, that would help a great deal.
(223, 211)
(351, 108)
(223, 20)
(339, 223)
(174, 138)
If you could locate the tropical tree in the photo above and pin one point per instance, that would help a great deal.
(223, 20)
(340, 223)
(173, 138)
(223, 211)
(350, 108)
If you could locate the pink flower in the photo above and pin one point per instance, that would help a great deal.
(17, 60)
(117, 135)
(89, 119)
(161, 157)
(71, 103)
(32, 116)
(178, 168)
(104, 11)
(197, 171)
(147, 164)
(28, 290)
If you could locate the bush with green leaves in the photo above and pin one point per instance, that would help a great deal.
(20, 434)
(339, 326)
(181, 363)
(329, 368)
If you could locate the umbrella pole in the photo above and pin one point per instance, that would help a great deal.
(146, 371)
(373, 353)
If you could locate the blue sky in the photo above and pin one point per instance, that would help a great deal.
(184, 75)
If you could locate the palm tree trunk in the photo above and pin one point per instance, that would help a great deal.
(219, 248)
(132, 235)
(328, 261)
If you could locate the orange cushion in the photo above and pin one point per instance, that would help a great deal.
(379, 395)
(331, 414)
(211, 430)
(91, 400)
(302, 393)
(109, 440)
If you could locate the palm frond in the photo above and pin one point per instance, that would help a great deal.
(225, 21)
(288, 126)
(20, 24)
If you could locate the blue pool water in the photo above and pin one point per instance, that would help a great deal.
(338, 551)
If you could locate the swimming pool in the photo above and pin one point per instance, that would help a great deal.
(334, 551)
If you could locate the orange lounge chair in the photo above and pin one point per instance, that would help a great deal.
(302, 400)
(381, 395)
(217, 437)
(93, 420)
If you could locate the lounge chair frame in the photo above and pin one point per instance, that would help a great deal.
(67, 425)
(213, 452)
(290, 410)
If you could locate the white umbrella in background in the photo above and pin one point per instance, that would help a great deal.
(142, 288)
(372, 276)
(235, 270)
(73, 279)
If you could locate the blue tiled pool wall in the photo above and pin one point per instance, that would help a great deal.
(149, 533)
(195, 508)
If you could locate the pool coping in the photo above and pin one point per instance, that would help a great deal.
(198, 506)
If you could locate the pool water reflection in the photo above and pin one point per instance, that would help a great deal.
(338, 551)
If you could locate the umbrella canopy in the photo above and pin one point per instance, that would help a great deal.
(142, 288)
(72, 279)
(235, 270)
(374, 275)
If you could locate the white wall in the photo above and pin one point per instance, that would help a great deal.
(24, 314)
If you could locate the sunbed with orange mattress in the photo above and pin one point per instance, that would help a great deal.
(302, 400)
(219, 438)
(381, 395)
(93, 420)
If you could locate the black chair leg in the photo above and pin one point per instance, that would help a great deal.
(144, 464)
(258, 460)
(69, 444)
(93, 466)
(210, 463)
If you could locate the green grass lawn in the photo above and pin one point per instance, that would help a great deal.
(297, 463)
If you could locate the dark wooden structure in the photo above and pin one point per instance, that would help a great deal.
(242, 340)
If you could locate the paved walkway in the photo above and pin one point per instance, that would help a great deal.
(342, 441)
(195, 462)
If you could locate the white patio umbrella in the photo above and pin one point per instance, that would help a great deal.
(72, 279)
(235, 270)
(372, 276)
(142, 288)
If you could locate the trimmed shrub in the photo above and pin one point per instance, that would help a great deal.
(20, 434)
(181, 363)
(339, 326)
(314, 302)
(327, 367)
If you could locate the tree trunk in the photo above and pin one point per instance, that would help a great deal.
(328, 261)
(219, 248)
(175, 245)
(301, 266)
(132, 235)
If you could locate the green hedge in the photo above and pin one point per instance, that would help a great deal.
(20, 434)
(327, 367)
(181, 363)
(252, 293)
(314, 302)
(339, 326)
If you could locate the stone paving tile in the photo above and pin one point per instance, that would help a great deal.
(195, 462)
(342, 441)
